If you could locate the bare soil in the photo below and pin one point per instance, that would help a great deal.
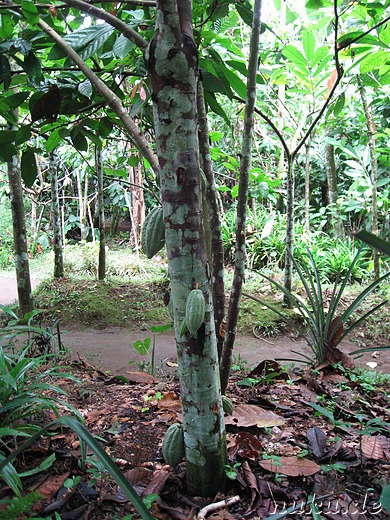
(111, 348)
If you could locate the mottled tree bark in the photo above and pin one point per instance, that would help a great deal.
(102, 241)
(137, 204)
(20, 237)
(374, 171)
(172, 62)
(55, 205)
(240, 253)
(333, 193)
(213, 221)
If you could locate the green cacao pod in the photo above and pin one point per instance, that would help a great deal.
(153, 232)
(173, 445)
(227, 405)
(195, 311)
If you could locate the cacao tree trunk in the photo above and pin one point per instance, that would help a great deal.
(20, 236)
(102, 241)
(374, 171)
(57, 238)
(240, 253)
(333, 193)
(213, 222)
(172, 62)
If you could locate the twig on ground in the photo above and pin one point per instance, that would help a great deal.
(217, 505)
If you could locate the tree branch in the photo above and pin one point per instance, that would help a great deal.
(123, 28)
(111, 98)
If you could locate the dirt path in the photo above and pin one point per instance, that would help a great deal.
(112, 348)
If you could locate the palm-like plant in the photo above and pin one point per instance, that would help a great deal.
(324, 323)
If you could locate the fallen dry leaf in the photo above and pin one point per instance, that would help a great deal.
(169, 401)
(291, 466)
(374, 447)
(246, 415)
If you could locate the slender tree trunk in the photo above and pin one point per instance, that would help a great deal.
(20, 237)
(374, 170)
(102, 241)
(57, 237)
(172, 61)
(333, 193)
(240, 254)
(82, 204)
(137, 204)
(213, 221)
(290, 186)
(307, 188)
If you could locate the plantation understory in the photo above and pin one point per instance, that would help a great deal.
(293, 436)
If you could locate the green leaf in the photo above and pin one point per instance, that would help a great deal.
(53, 140)
(373, 61)
(215, 136)
(7, 151)
(339, 105)
(5, 72)
(30, 12)
(160, 328)
(122, 47)
(7, 136)
(90, 39)
(85, 88)
(33, 69)
(28, 167)
(78, 139)
(385, 498)
(295, 56)
(245, 11)
(92, 137)
(374, 241)
(142, 347)
(105, 127)
(15, 100)
(319, 55)
(308, 42)
(215, 106)
(23, 134)
(7, 25)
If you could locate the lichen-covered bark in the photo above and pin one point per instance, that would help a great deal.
(172, 63)
(333, 193)
(20, 237)
(102, 241)
(374, 171)
(240, 253)
(213, 221)
(55, 207)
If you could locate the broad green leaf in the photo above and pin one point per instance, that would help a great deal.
(303, 76)
(339, 105)
(85, 88)
(236, 83)
(385, 498)
(7, 151)
(85, 41)
(216, 136)
(78, 139)
(373, 61)
(7, 25)
(245, 11)
(30, 12)
(23, 134)
(160, 328)
(15, 100)
(28, 167)
(33, 69)
(215, 106)
(92, 137)
(384, 35)
(53, 140)
(5, 72)
(319, 55)
(295, 56)
(308, 42)
(7, 136)
(211, 83)
(105, 127)
(122, 47)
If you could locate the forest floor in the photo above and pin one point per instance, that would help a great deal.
(295, 433)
